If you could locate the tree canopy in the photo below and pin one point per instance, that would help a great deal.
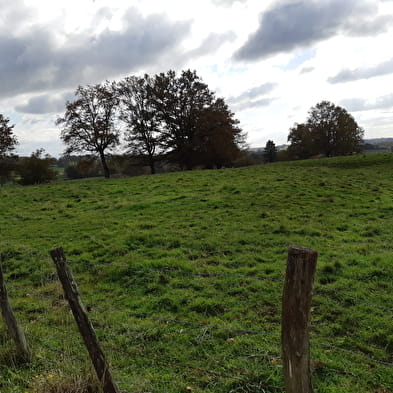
(89, 121)
(8, 140)
(140, 117)
(181, 103)
(8, 143)
(176, 118)
(180, 117)
(270, 151)
(329, 130)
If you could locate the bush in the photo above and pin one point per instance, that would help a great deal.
(7, 167)
(35, 169)
(86, 166)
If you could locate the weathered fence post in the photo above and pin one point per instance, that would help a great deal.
(17, 334)
(296, 309)
(85, 327)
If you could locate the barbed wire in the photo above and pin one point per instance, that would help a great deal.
(240, 276)
(182, 322)
(177, 271)
(169, 363)
(317, 289)
(351, 352)
(200, 274)
(216, 327)
(359, 299)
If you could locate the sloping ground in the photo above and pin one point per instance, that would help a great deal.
(183, 275)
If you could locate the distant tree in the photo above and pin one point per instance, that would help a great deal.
(329, 130)
(8, 143)
(302, 139)
(36, 169)
(140, 117)
(89, 122)
(270, 152)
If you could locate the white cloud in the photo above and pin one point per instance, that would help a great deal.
(49, 48)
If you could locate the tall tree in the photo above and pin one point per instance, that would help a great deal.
(218, 137)
(270, 151)
(140, 117)
(179, 102)
(8, 143)
(8, 140)
(89, 121)
(329, 130)
(196, 127)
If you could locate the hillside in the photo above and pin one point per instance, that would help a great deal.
(183, 275)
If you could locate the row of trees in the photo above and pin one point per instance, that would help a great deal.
(177, 118)
(165, 115)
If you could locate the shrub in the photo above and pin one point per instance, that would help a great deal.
(86, 166)
(35, 169)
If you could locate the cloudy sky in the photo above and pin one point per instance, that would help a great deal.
(271, 60)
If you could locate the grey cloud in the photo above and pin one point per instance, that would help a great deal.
(371, 27)
(292, 24)
(210, 44)
(360, 104)
(227, 3)
(15, 13)
(103, 14)
(45, 103)
(250, 98)
(306, 70)
(35, 62)
(254, 92)
(347, 75)
(253, 104)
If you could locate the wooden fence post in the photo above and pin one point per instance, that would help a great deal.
(85, 327)
(296, 309)
(17, 334)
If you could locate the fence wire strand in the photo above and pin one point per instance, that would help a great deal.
(351, 352)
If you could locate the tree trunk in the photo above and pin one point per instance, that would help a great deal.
(152, 165)
(104, 165)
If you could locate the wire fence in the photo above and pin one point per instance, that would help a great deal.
(319, 290)
(142, 315)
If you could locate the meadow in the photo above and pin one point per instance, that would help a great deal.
(182, 274)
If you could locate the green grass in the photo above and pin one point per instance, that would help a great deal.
(135, 246)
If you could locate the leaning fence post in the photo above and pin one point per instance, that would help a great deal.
(17, 334)
(296, 309)
(85, 327)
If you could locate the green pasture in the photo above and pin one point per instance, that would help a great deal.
(183, 276)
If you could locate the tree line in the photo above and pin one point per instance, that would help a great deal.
(170, 118)
(165, 116)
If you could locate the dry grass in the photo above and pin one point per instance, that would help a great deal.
(59, 383)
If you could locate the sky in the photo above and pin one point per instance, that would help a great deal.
(270, 60)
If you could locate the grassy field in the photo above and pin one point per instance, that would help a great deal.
(183, 275)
